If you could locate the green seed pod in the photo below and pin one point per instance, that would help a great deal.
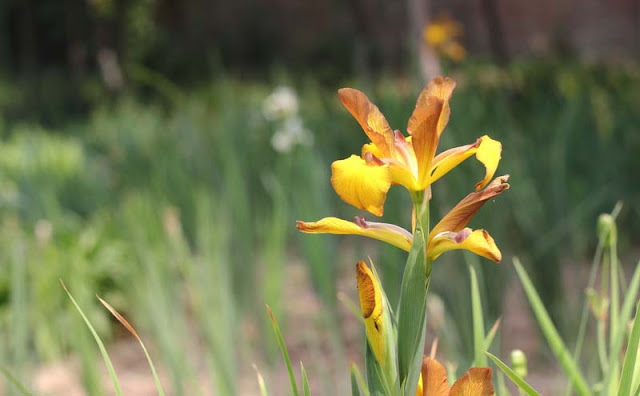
(519, 362)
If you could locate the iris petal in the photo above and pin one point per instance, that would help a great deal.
(361, 184)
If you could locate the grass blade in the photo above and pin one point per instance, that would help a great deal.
(285, 353)
(306, 390)
(488, 340)
(133, 331)
(103, 350)
(355, 391)
(630, 358)
(357, 375)
(261, 385)
(13, 380)
(515, 378)
(551, 334)
(479, 359)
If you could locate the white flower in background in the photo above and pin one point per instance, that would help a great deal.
(281, 104)
(290, 133)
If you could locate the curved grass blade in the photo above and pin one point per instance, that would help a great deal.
(515, 378)
(630, 358)
(13, 380)
(103, 350)
(488, 340)
(355, 391)
(361, 383)
(551, 334)
(285, 353)
(133, 331)
(479, 358)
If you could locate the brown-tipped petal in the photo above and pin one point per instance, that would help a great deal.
(475, 382)
(370, 118)
(463, 212)
(478, 242)
(389, 233)
(427, 122)
(371, 304)
(434, 378)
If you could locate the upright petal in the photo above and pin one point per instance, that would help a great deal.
(434, 378)
(478, 242)
(475, 382)
(487, 151)
(361, 184)
(427, 122)
(370, 118)
(389, 233)
(459, 216)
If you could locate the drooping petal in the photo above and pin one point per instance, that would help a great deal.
(459, 216)
(475, 382)
(487, 151)
(434, 378)
(361, 184)
(427, 122)
(370, 118)
(371, 305)
(478, 242)
(389, 233)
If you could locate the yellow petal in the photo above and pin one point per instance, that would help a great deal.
(478, 242)
(487, 151)
(370, 119)
(427, 122)
(475, 382)
(434, 378)
(361, 184)
(389, 233)
(461, 214)
(371, 307)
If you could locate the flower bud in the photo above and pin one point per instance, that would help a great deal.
(519, 362)
(607, 229)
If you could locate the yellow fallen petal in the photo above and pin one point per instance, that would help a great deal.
(370, 118)
(478, 242)
(389, 233)
(461, 214)
(371, 306)
(489, 153)
(434, 378)
(361, 184)
(475, 382)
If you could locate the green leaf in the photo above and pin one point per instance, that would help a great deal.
(261, 385)
(479, 360)
(103, 350)
(376, 381)
(412, 315)
(306, 390)
(551, 334)
(488, 340)
(515, 378)
(131, 330)
(625, 315)
(630, 358)
(285, 353)
(356, 376)
(15, 382)
(355, 391)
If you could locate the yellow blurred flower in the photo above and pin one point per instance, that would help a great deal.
(443, 34)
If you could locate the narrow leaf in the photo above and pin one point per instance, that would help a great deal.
(13, 380)
(515, 378)
(355, 373)
(306, 390)
(261, 385)
(551, 334)
(630, 358)
(285, 353)
(480, 360)
(133, 331)
(103, 350)
(488, 340)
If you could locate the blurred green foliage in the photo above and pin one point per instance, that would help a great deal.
(178, 209)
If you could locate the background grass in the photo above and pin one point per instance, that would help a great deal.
(179, 212)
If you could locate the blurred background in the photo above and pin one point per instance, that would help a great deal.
(158, 152)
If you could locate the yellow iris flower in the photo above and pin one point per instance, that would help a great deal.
(391, 158)
(433, 381)
(450, 233)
